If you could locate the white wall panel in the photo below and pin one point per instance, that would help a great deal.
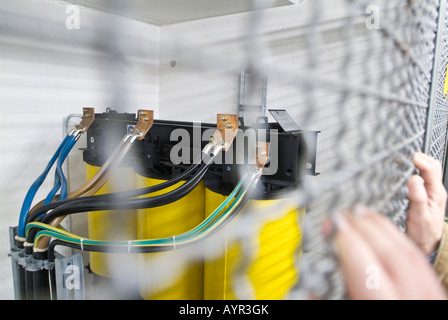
(47, 72)
(200, 60)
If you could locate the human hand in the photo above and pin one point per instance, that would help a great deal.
(427, 196)
(379, 262)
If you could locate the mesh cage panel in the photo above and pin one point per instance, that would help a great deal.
(439, 105)
(361, 73)
(379, 122)
(358, 71)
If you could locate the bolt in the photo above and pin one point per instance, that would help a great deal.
(223, 118)
(228, 125)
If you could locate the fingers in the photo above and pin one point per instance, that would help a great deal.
(427, 204)
(431, 172)
(430, 168)
(355, 257)
(418, 196)
(391, 247)
(370, 241)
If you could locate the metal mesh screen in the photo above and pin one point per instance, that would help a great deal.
(439, 105)
(371, 103)
(361, 73)
(381, 94)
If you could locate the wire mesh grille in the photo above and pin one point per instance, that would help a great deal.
(361, 73)
(379, 122)
(440, 106)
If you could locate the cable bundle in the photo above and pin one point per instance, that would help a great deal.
(49, 215)
(59, 182)
(52, 201)
(42, 223)
(218, 219)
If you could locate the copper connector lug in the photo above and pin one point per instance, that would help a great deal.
(226, 130)
(88, 116)
(144, 124)
(262, 156)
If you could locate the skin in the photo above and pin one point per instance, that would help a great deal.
(368, 244)
(427, 197)
(367, 240)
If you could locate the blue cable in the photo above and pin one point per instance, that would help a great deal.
(59, 178)
(64, 153)
(35, 187)
(52, 193)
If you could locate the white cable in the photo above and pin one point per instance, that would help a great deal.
(127, 137)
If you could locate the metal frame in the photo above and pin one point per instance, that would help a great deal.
(242, 91)
(435, 91)
(435, 73)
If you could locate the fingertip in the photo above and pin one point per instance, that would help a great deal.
(334, 224)
(416, 187)
(337, 230)
(415, 181)
(420, 156)
(328, 228)
(426, 163)
(341, 222)
(362, 211)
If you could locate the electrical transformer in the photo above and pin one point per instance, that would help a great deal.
(169, 204)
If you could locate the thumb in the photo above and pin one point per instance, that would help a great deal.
(417, 196)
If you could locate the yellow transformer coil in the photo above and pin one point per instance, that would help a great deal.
(272, 269)
(167, 221)
(113, 226)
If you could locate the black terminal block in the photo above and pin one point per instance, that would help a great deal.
(170, 147)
